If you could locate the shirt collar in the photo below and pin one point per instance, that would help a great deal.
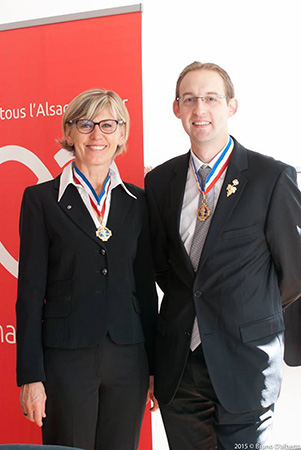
(199, 163)
(67, 178)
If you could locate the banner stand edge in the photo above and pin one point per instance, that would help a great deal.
(72, 17)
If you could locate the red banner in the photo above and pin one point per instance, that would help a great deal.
(43, 68)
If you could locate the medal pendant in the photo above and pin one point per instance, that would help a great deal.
(103, 233)
(203, 212)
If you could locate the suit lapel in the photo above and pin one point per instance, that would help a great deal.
(225, 205)
(177, 189)
(74, 207)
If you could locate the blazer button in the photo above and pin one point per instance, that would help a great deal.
(187, 334)
(104, 271)
(198, 294)
(102, 251)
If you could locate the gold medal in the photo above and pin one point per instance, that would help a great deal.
(203, 212)
(103, 233)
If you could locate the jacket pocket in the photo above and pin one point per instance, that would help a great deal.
(57, 308)
(241, 232)
(59, 289)
(261, 328)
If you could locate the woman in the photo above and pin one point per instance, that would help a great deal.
(86, 303)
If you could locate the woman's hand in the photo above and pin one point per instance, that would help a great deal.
(33, 401)
(150, 395)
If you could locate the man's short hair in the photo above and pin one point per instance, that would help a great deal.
(196, 65)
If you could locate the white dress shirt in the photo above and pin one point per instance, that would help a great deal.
(67, 178)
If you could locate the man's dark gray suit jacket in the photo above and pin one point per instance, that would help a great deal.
(249, 270)
(73, 288)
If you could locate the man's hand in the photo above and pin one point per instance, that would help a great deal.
(33, 400)
(150, 395)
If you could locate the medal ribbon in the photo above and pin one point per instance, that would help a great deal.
(98, 202)
(216, 171)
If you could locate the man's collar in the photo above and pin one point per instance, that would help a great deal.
(199, 163)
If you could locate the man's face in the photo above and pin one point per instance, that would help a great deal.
(206, 122)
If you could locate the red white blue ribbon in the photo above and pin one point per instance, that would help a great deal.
(98, 202)
(216, 171)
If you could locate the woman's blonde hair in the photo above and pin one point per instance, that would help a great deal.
(88, 105)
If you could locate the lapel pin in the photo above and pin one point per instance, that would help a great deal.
(231, 188)
(69, 206)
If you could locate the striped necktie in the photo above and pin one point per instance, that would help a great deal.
(198, 240)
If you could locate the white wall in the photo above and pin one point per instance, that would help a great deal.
(258, 43)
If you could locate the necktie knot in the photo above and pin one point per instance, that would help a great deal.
(203, 173)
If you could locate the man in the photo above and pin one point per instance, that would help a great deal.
(227, 252)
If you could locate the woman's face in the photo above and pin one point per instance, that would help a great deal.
(95, 149)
